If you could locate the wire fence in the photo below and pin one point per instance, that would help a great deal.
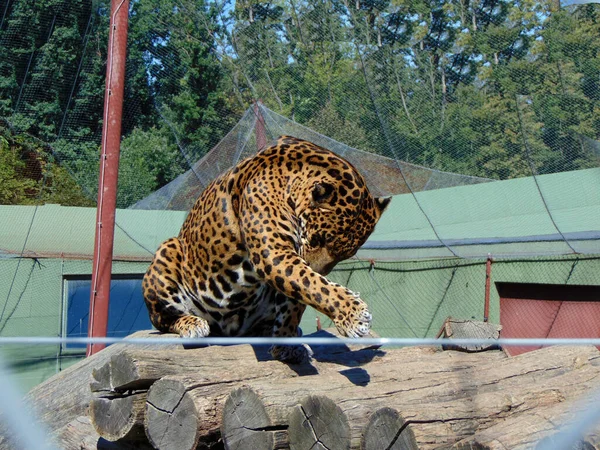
(480, 119)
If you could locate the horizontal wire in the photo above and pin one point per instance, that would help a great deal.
(401, 342)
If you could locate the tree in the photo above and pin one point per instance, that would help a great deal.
(14, 187)
(51, 69)
(29, 174)
(148, 161)
(180, 68)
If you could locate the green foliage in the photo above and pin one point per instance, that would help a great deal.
(13, 186)
(175, 60)
(28, 174)
(329, 122)
(148, 161)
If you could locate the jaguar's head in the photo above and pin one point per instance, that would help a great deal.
(338, 216)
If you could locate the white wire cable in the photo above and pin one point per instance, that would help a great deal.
(572, 432)
(399, 342)
(16, 415)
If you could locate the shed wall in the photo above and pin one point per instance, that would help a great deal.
(35, 308)
(412, 299)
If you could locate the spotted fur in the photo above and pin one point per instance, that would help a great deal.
(254, 250)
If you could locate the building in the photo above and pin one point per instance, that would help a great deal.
(412, 275)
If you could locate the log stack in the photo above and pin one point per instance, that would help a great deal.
(236, 397)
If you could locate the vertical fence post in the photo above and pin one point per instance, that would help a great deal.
(261, 132)
(109, 171)
(488, 276)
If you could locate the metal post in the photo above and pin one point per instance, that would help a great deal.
(488, 276)
(109, 171)
(261, 133)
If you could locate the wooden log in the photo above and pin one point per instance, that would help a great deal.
(120, 417)
(451, 406)
(120, 385)
(170, 410)
(137, 369)
(318, 423)
(66, 396)
(222, 367)
(79, 434)
(282, 398)
(201, 392)
(538, 427)
(440, 403)
(442, 398)
(201, 397)
(246, 424)
(183, 412)
(387, 429)
(116, 414)
(469, 329)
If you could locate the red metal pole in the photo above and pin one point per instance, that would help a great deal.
(109, 171)
(488, 276)
(261, 133)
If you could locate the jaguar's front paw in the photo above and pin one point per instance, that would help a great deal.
(191, 327)
(291, 354)
(355, 323)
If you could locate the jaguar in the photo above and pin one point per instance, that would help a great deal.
(255, 249)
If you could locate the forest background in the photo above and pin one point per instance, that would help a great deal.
(488, 88)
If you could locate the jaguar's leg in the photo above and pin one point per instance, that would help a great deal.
(287, 320)
(281, 266)
(162, 286)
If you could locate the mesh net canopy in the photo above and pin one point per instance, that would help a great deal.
(261, 126)
(481, 118)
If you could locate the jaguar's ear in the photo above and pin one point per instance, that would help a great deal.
(382, 203)
(321, 192)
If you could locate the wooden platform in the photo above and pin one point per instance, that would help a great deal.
(236, 397)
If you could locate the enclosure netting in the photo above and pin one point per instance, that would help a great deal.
(482, 114)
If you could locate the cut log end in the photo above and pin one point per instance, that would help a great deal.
(318, 423)
(387, 429)
(171, 419)
(246, 423)
(119, 418)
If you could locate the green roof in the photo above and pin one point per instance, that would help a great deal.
(503, 218)
(516, 216)
(53, 230)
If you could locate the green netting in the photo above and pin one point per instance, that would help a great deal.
(413, 298)
(480, 117)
